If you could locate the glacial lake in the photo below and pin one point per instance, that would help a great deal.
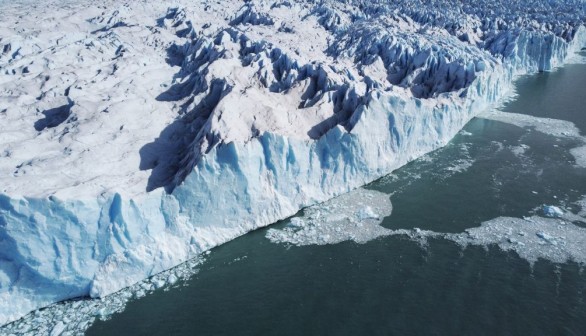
(395, 285)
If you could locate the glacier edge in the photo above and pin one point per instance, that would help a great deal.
(53, 249)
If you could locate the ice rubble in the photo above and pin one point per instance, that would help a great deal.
(353, 216)
(162, 132)
(532, 238)
(74, 317)
(555, 239)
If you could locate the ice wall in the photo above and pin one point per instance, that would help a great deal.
(416, 91)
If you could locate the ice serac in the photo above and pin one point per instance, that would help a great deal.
(151, 134)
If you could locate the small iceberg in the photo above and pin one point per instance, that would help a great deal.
(552, 211)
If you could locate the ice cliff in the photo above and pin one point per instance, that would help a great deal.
(134, 135)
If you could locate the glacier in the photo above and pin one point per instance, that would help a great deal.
(135, 136)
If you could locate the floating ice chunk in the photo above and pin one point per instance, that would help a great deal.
(519, 150)
(579, 154)
(172, 279)
(297, 222)
(366, 213)
(58, 329)
(544, 236)
(552, 211)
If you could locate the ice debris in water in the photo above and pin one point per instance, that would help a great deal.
(553, 127)
(532, 238)
(460, 166)
(354, 216)
(74, 317)
(357, 216)
(520, 150)
(579, 154)
(366, 213)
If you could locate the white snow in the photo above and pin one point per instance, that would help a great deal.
(134, 136)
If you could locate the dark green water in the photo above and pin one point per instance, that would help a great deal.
(559, 95)
(393, 285)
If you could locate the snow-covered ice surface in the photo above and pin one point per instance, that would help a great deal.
(136, 135)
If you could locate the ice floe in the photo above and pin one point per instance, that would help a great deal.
(357, 216)
(532, 238)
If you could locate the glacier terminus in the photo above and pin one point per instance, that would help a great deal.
(136, 135)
